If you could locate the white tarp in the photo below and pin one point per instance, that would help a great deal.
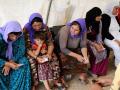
(61, 11)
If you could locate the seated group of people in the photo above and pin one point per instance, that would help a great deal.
(31, 55)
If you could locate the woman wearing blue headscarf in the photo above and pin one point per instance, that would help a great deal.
(14, 66)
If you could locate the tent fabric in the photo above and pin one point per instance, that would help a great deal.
(61, 11)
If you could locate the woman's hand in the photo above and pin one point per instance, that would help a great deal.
(105, 81)
(49, 56)
(13, 65)
(86, 60)
(117, 41)
(40, 60)
(63, 57)
(80, 58)
(6, 70)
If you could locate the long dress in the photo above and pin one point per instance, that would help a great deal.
(3, 79)
(101, 67)
(20, 78)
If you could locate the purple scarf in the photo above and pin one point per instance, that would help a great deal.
(12, 26)
(82, 23)
(29, 28)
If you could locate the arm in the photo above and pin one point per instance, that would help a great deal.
(30, 53)
(106, 20)
(83, 45)
(28, 43)
(109, 35)
(50, 44)
(50, 49)
(27, 39)
(63, 37)
(84, 52)
(37, 51)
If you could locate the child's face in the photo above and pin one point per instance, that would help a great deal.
(38, 41)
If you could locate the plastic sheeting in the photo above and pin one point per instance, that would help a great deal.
(61, 11)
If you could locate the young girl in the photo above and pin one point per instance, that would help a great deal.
(40, 49)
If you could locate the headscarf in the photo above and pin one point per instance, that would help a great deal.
(114, 26)
(12, 26)
(82, 24)
(28, 26)
(109, 7)
(91, 15)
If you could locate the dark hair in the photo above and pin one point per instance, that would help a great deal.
(76, 23)
(40, 35)
(91, 15)
(16, 33)
(36, 19)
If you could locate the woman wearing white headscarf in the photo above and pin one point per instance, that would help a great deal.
(114, 28)
(114, 43)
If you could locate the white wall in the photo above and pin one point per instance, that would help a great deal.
(62, 11)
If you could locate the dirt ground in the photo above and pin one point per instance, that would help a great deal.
(74, 83)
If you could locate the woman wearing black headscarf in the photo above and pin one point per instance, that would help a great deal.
(98, 26)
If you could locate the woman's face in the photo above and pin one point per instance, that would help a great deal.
(98, 18)
(12, 37)
(115, 10)
(37, 26)
(74, 30)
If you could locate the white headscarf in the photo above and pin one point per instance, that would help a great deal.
(114, 26)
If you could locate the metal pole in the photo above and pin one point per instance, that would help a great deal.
(48, 12)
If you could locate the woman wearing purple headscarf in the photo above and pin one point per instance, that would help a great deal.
(71, 41)
(36, 24)
(14, 66)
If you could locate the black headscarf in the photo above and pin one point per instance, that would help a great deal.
(90, 17)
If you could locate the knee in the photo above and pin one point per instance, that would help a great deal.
(115, 47)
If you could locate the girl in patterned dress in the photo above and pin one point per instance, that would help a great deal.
(40, 49)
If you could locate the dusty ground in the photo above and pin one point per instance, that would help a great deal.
(74, 83)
